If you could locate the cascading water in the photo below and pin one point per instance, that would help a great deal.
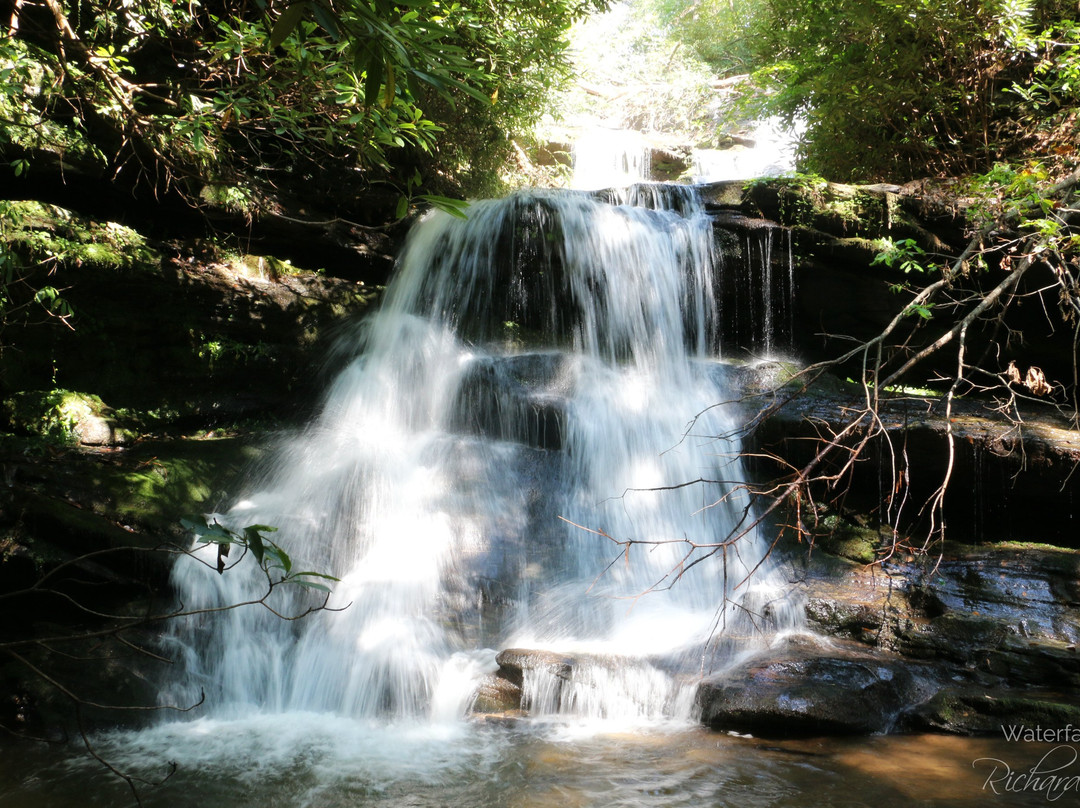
(606, 158)
(520, 402)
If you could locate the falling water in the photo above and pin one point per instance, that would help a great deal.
(606, 158)
(540, 384)
(757, 279)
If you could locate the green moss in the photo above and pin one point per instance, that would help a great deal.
(981, 713)
(49, 234)
(848, 540)
(172, 478)
(61, 416)
(261, 266)
(1032, 545)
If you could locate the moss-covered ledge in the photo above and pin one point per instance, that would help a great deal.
(207, 334)
(64, 502)
(829, 217)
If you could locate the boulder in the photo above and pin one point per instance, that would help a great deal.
(64, 416)
(806, 688)
(514, 662)
(496, 695)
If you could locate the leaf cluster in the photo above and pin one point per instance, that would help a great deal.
(271, 557)
(180, 95)
(895, 90)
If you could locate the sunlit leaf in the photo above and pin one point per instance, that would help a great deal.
(310, 584)
(455, 207)
(313, 574)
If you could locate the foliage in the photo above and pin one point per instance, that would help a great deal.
(523, 48)
(35, 240)
(24, 294)
(636, 74)
(719, 32)
(901, 90)
(55, 415)
(271, 558)
(183, 96)
(962, 327)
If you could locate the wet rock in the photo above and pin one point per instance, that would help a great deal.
(858, 621)
(969, 711)
(851, 600)
(1008, 484)
(517, 398)
(1009, 613)
(804, 688)
(988, 621)
(497, 695)
(514, 662)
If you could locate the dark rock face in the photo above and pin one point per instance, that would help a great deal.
(807, 689)
(1008, 481)
(212, 337)
(992, 631)
(514, 398)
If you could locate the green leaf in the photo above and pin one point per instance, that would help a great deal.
(278, 558)
(402, 207)
(206, 532)
(327, 19)
(255, 543)
(309, 584)
(388, 86)
(285, 24)
(922, 311)
(374, 80)
(313, 574)
(455, 207)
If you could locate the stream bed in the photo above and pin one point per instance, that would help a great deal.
(319, 761)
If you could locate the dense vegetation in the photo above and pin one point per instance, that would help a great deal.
(227, 101)
(901, 90)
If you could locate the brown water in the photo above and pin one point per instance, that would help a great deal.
(241, 764)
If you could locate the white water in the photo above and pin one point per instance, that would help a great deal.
(771, 155)
(606, 157)
(526, 387)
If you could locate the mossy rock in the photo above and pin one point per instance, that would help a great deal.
(65, 503)
(972, 712)
(44, 232)
(173, 478)
(65, 417)
(849, 540)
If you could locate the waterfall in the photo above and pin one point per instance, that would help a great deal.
(605, 158)
(541, 382)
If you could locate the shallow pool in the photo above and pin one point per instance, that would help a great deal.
(321, 761)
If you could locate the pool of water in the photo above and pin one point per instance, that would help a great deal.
(321, 761)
